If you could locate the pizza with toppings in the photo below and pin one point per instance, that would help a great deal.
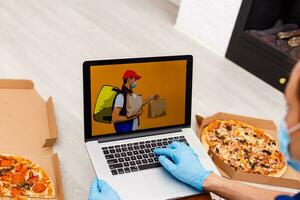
(21, 179)
(244, 147)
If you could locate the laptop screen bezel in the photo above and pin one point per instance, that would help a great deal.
(87, 111)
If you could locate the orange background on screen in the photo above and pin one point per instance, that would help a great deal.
(167, 78)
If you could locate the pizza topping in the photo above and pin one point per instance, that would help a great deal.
(25, 185)
(17, 178)
(18, 168)
(21, 169)
(33, 179)
(39, 187)
(6, 177)
(228, 128)
(17, 192)
(6, 185)
(6, 163)
(4, 170)
(267, 152)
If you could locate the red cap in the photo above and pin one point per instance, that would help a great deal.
(131, 74)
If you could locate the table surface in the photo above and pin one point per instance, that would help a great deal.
(48, 40)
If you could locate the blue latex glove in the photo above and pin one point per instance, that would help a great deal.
(183, 163)
(100, 190)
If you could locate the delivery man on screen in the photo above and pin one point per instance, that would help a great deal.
(181, 162)
(122, 123)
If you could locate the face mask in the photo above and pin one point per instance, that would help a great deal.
(284, 140)
(133, 85)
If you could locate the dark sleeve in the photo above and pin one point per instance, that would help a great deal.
(283, 197)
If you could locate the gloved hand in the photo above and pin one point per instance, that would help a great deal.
(183, 163)
(100, 190)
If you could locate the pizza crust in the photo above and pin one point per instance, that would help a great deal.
(203, 138)
(20, 198)
(280, 172)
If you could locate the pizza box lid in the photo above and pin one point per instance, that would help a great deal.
(25, 118)
(290, 178)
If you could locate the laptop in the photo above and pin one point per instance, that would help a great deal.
(120, 143)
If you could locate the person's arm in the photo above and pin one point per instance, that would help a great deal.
(150, 98)
(116, 117)
(184, 164)
(230, 189)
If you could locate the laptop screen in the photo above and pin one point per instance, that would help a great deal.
(129, 97)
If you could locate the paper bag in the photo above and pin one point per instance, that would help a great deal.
(157, 108)
(134, 104)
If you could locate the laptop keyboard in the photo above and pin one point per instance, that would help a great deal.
(132, 157)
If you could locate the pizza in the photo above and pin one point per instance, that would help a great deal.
(21, 179)
(244, 147)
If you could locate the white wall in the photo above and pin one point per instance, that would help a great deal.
(209, 22)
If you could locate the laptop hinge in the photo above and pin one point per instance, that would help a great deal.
(137, 135)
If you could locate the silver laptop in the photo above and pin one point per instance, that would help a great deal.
(132, 106)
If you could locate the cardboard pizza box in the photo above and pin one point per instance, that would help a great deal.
(289, 179)
(28, 128)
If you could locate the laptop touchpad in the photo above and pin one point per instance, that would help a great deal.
(162, 183)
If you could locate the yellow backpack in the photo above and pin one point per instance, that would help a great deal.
(105, 103)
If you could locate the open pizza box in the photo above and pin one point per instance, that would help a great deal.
(28, 128)
(289, 179)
